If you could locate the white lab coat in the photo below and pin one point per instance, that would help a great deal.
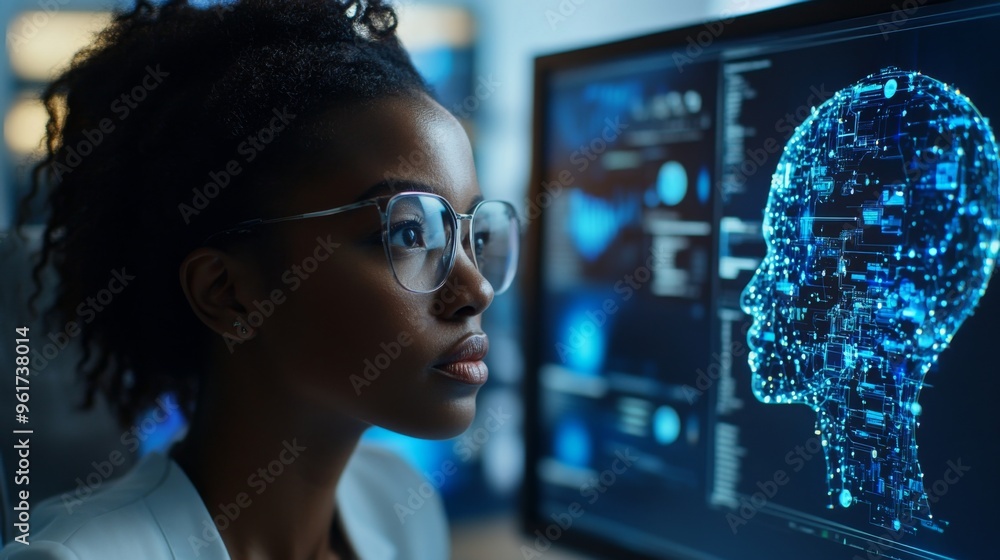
(154, 513)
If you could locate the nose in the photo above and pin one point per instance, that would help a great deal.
(466, 293)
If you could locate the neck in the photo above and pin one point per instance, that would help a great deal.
(871, 449)
(267, 470)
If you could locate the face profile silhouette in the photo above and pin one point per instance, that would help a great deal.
(882, 232)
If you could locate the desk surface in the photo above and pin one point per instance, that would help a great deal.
(497, 538)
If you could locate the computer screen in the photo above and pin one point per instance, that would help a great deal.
(761, 324)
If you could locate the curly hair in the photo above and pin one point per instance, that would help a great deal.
(144, 122)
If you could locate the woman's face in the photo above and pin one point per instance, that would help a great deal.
(345, 338)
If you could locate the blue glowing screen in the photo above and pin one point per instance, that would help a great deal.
(735, 223)
(882, 232)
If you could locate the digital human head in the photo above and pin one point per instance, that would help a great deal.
(882, 232)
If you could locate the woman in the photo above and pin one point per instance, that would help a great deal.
(288, 278)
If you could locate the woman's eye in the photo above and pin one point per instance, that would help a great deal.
(407, 234)
(481, 239)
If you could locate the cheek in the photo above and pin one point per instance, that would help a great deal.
(350, 341)
(340, 319)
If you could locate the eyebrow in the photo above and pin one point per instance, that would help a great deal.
(392, 186)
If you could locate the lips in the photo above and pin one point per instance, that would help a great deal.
(464, 361)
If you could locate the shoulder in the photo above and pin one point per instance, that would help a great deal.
(147, 513)
(380, 492)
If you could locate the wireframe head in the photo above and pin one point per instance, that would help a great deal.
(882, 232)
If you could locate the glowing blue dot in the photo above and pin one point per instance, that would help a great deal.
(845, 498)
(890, 88)
(572, 443)
(916, 409)
(666, 425)
(672, 183)
(896, 524)
(704, 185)
(584, 338)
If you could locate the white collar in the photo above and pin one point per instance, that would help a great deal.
(361, 518)
(190, 530)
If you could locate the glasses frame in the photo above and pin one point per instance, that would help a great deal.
(382, 203)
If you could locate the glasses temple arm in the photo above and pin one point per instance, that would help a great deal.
(246, 225)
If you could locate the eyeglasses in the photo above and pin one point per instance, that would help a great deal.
(418, 233)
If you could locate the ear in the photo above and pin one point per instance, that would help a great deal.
(215, 284)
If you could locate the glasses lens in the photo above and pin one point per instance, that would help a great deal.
(496, 242)
(420, 241)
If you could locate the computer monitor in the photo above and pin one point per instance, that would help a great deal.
(854, 435)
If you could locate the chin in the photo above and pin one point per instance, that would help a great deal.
(755, 361)
(437, 431)
(780, 391)
(444, 421)
(766, 391)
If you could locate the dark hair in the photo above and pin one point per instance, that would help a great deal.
(138, 123)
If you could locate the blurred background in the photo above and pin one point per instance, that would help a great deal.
(479, 55)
